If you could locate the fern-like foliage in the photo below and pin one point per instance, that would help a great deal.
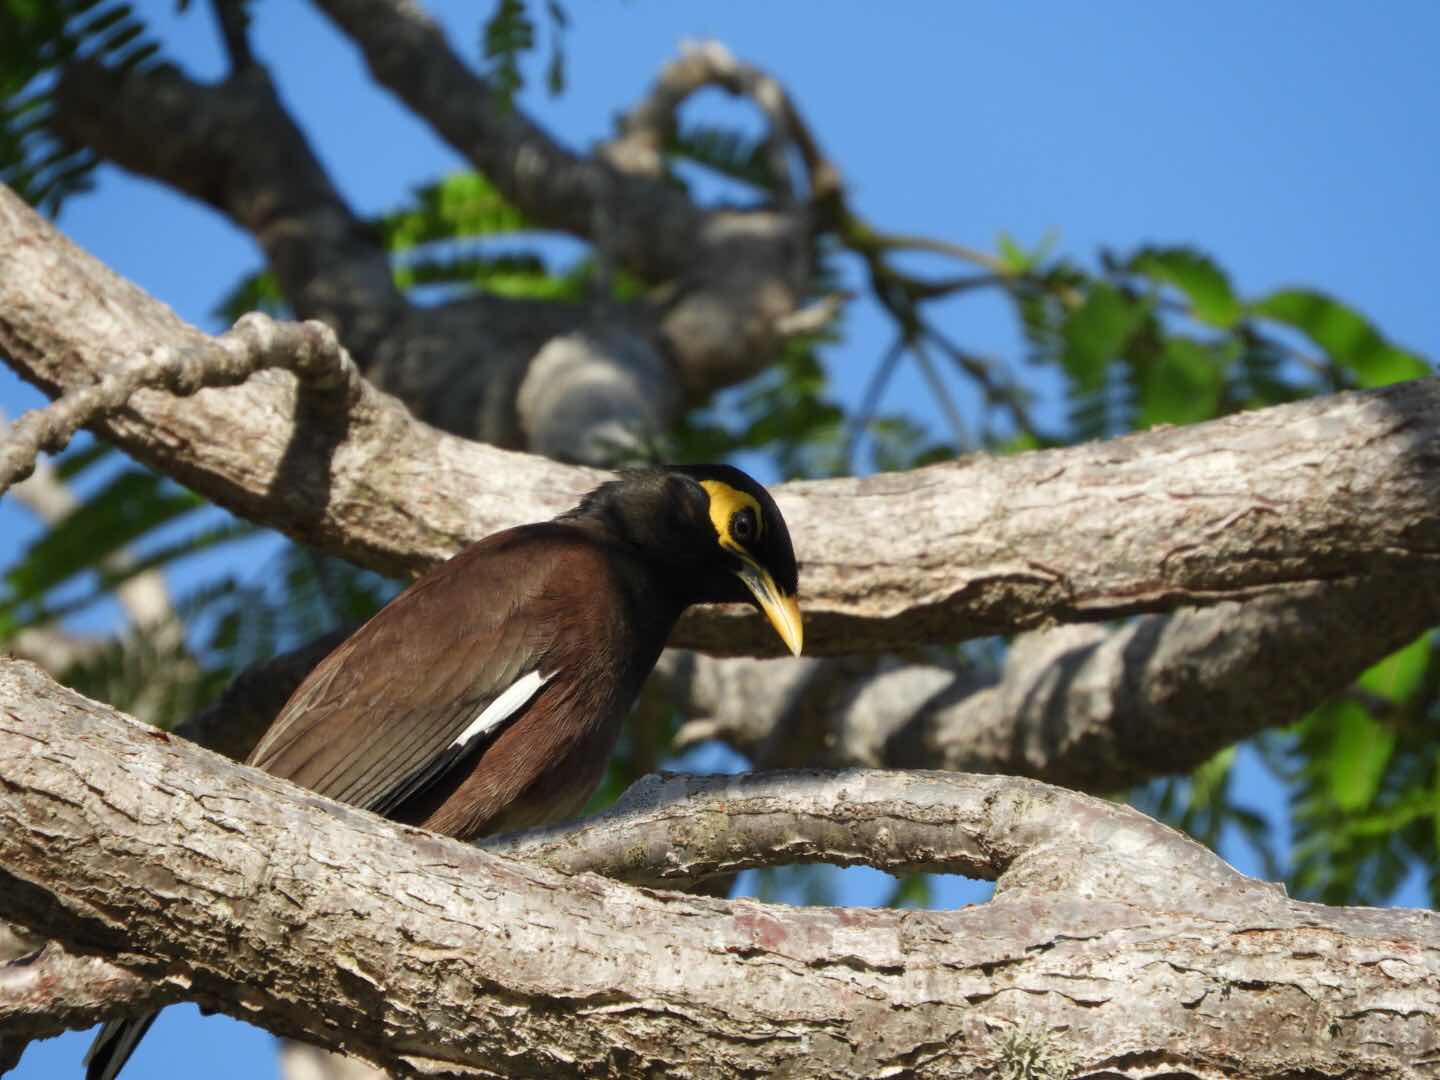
(509, 34)
(1161, 337)
(37, 39)
(727, 152)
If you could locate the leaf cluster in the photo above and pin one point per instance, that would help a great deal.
(37, 38)
(1160, 336)
(509, 34)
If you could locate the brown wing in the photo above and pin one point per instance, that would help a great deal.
(395, 695)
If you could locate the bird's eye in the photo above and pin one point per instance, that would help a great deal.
(742, 526)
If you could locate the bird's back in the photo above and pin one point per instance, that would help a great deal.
(551, 598)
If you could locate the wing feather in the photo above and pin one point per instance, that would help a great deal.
(388, 705)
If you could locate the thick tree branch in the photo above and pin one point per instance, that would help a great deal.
(642, 223)
(46, 989)
(234, 146)
(1085, 707)
(1121, 942)
(733, 276)
(475, 367)
(1254, 504)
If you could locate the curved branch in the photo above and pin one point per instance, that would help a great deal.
(676, 830)
(425, 955)
(463, 366)
(733, 277)
(648, 125)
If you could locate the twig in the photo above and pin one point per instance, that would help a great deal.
(906, 242)
(234, 23)
(942, 394)
(310, 350)
(144, 596)
(870, 401)
(995, 393)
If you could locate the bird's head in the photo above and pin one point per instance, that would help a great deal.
(714, 534)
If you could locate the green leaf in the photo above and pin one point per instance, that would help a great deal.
(258, 291)
(507, 34)
(459, 205)
(36, 39)
(79, 456)
(1096, 332)
(1359, 750)
(1205, 285)
(1401, 674)
(1207, 783)
(1012, 255)
(1016, 260)
(1345, 335)
(727, 152)
(1181, 387)
(132, 504)
(911, 891)
(1435, 782)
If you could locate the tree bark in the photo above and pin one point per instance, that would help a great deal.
(1261, 503)
(1089, 707)
(1118, 944)
(730, 282)
(1310, 529)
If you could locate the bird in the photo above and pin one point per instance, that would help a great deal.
(488, 695)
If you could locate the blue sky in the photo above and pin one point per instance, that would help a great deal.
(1292, 141)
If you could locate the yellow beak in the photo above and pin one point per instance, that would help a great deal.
(782, 611)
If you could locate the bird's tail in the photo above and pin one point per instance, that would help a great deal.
(114, 1045)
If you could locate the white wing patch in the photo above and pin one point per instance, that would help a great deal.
(503, 707)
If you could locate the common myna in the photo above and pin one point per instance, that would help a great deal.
(488, 695)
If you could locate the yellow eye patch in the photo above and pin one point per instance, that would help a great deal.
(725, 501)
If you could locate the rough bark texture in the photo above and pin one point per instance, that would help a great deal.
(1088, 707)
(1122, 945)
(1255, 504)
(730, 282)
(1111, 945)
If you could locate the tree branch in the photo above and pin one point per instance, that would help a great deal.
(642, 223)
(235, 146)
(733, 276)
(644, 130)
(461, 365)
(1254, 504)
(425, 955)
(308, 350)
(46, 989)
(477, 366)
(1085, 707)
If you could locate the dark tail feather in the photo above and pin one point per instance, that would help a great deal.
(114, 1045)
